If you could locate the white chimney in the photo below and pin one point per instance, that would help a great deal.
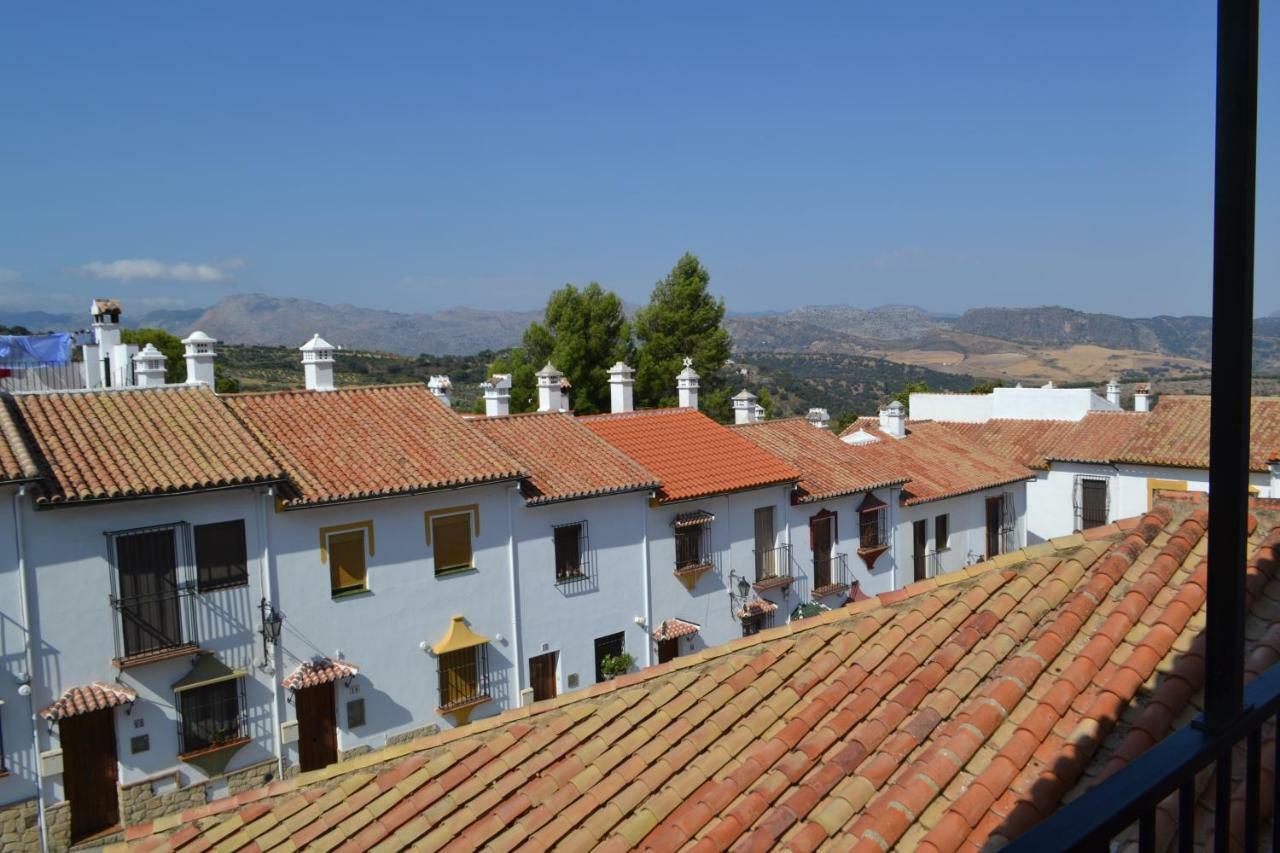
(687, 386)
(744, 407)
(440, 386)
(759, 413)
(317, 364)
(893, 420)
(148, 367)
(621, 388)
(497, 395)
(1275, 479)
(92, 366)
(1113, 393)
(565, 387)
(549, 388)
(819, 418)
(198, 352)
(106, 337)
(1142, 398)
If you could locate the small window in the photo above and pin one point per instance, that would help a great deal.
(211, 715)
(139, 743)
(942, 532)
(347, 570)
(612, 645)
(754, 623)
(355, 713)
(221, 556)
(568, 545)
(451, 541)
(872, 524)
(464, 677)
(691, 546)
(1092, 503)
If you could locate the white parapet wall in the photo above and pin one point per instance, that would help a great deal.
(1058, 404)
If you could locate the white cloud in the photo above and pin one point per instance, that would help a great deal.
(8, 276)
(149, 269)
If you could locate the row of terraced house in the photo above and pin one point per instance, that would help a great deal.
(207, 592)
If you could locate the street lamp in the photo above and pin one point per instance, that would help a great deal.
(271, 623)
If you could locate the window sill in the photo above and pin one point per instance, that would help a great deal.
(688, 575)
(234, 743)
(830, 589)
(772, 583)
(455, 571)
(213, 760)
(144, 658)
(461, 711)
(343, 594)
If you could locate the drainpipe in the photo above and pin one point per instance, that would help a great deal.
(515, 597)
(30, 659)
(264, 573)
(648, 591)
(893, 533)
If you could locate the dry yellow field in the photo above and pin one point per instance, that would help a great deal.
(1072, 364)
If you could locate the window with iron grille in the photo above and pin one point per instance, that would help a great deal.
(611, 645)
(150, 593)
(221, 555)
(692, 546)
(873, 524)
(755, 623)
(464, 677)
(1091, 502)
(942, 532)
(211, 715)
(571, 550)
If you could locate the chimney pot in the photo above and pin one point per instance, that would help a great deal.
(440, 386)
(744, 407)
(148, 367)
(687, 386)
(621, 388)
(893, 420)
(198, 354)
(497, 395)
(1142, 398)
(549, 394)
(819, 418)
(317, 364)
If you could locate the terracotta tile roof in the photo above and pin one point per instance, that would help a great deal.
(691, 454)
(91, 697)
(16, 463)
(672, 629)
(356, 443)
(105, 445)
(827, 468)
(319, 671)
(937, 461)
(953, 714)
(565, 460)
(1176, 433)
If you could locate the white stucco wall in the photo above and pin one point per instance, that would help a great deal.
(567, 618)
(1064, 404)
(968, 529)
(68, 552)
(405, 605)
(966, 408)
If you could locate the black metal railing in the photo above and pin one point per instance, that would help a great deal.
(212, 716)
(773, 566)
(35, 376)
(153, 623)
(1171, 769)
(830, 574)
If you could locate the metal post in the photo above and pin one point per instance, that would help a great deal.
(1233, 224)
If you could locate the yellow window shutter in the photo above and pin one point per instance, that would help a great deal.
(451, 539)
(346, 561)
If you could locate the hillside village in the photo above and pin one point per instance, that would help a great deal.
(237, 603)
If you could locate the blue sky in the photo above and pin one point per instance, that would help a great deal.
(420, 156)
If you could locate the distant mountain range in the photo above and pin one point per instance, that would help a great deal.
(267, 320)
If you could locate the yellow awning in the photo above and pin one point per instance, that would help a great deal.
(458, 637)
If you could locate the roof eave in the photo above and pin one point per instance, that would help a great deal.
(65, 503)
(704, 495)
(963, 492)
(305, 503)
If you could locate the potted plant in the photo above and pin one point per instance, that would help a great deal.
(614, 665)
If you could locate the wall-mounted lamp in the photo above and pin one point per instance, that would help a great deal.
(738, 599)
(272, 621)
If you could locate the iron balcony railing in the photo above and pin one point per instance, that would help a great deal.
(464, 677)
(773, 567)
(830, 574)
(154, 623)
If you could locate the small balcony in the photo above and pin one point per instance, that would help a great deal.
(830, 575)
(154, 626)
(773, 568)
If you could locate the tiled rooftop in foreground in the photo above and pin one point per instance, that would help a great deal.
(952, 714)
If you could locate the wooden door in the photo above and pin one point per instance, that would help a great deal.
(668, 649)
(317, 727)
(822, 534)
(766, 557)
(920, 543)
(995, 512)
(89, 771)
(542, 676)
